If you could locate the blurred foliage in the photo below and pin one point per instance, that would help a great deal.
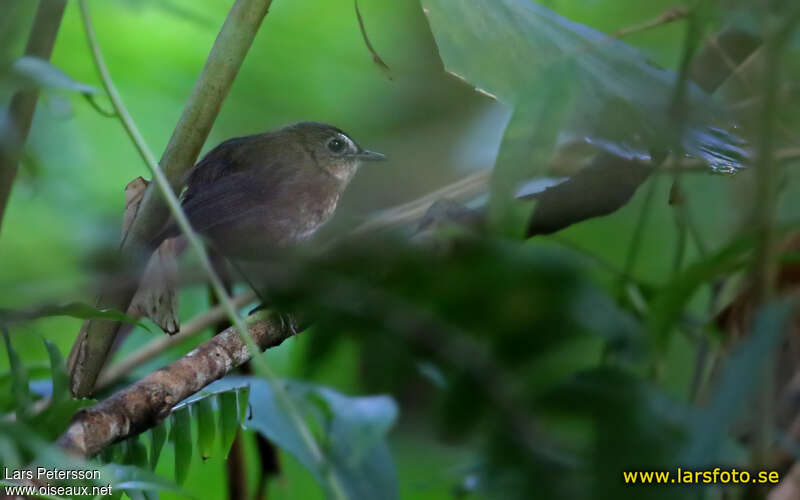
(542, 367)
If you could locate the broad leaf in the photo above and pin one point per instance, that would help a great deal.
(354, 427)
(511, 48)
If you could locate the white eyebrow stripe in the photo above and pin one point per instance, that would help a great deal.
(351, 145)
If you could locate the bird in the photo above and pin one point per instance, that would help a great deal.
(251, 198)
(255, 194)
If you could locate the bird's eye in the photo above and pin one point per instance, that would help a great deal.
(336, 145)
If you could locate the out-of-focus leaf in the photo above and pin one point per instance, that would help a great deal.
(181, 436)
(139, 454)
(108, 454)
(55, 418)
(9, 453)
(135, 452)
(608, 400)
(158, 435)
(58, 370)
(715, 62)
(740, 378)
(129, 477)
(612, 178)
(527, 145)
(228, 421)
(19, 381)
(206, 430)
(599, 189)
(77, 310)
(668, 305)
(507, 48)
(355, 430)
(357, 424)
(136, 494)
(40, 73)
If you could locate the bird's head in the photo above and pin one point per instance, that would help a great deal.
(331, 149)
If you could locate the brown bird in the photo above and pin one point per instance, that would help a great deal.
(254, 194)
(250, 197)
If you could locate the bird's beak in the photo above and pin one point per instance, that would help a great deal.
(370, 156)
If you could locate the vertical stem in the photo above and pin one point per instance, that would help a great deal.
(638, 232)
(40, 44)
(766, 203)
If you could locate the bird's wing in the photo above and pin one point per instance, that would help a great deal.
(234, 197)
(216, 164)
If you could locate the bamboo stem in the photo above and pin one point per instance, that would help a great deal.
(40, 44)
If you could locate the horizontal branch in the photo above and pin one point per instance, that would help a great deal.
(149, 351)
(147, 402)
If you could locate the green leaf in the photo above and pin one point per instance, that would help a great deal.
(129, 477)
(357, 425)
(139, 453)
(9, 453)
(55, 418)
(205, 427)
(181, 436)
(59, 374)
(32, 71)
(107, 454)
(623, 103)
(355, 429)
(243, 399)
(135, 452)
(158, 435)
(228, 421)
(77, 310)
(232, 397)
(19, 383)
(527, 146)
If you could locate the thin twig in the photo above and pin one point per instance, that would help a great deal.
(375, 57)
(638, 232)
(96, 106)
(666, 17)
